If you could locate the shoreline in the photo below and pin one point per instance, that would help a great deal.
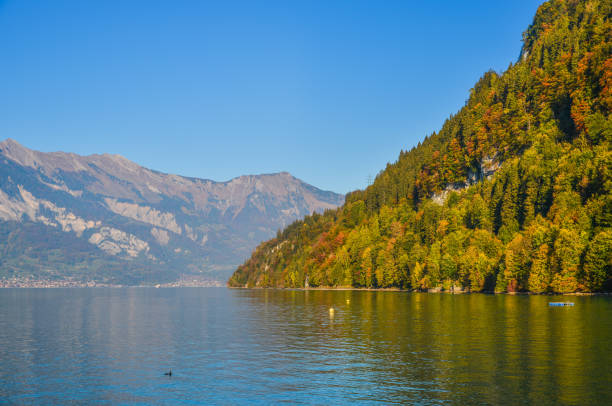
(345, 288)
(71, 284)
(184, 280)
(217, 284)
(109, 286)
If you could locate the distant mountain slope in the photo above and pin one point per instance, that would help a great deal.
(107, 219)
(513, 194)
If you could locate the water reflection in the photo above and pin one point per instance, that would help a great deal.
(113, 345)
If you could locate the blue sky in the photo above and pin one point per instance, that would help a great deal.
(327, 90)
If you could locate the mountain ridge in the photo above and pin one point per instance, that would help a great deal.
(134, 213)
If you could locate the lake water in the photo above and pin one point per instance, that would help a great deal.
(112, 346)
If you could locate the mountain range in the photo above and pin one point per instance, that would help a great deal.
(102, 219)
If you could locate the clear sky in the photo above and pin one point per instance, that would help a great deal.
(327, 90)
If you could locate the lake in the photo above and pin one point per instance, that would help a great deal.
(113, 345)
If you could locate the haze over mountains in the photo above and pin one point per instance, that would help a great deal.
(105, 219)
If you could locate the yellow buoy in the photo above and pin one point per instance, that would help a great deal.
(331, 311)
(348, 301)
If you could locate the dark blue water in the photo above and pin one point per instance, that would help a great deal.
(112, 346)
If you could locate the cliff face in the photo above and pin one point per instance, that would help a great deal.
(484, 170)
(132, 217)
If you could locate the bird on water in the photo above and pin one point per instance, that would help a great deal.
(169, 373)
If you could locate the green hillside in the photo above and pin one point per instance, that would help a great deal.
(514, 193)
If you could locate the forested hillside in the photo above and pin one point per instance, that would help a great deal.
(514, 193)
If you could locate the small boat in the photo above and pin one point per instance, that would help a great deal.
(560, 303)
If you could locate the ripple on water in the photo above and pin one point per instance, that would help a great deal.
(111, 346)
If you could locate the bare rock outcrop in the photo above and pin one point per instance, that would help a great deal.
(485, 169)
